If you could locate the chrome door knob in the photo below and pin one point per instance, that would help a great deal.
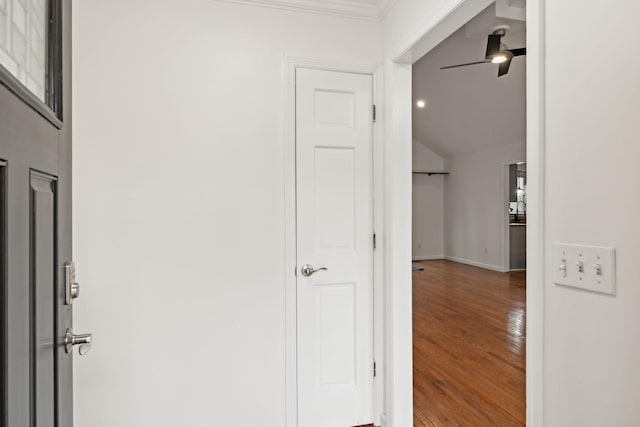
(307, 270)
(82, 340)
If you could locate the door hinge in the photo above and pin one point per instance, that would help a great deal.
(374, 114)
(374, 240)
(375, 370)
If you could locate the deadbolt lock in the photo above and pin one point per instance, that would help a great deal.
(72, 288)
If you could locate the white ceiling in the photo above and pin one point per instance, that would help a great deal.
(469, 108)
(369, 10)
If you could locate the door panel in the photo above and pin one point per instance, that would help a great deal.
(335, 210)
(28, 142)
(334, 230)
(42, 296)
(3, 292)
(36, 242)
(336, 340)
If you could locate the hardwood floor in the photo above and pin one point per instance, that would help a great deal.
(468, 346)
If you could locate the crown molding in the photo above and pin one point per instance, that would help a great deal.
(343, 8)
(384, 6)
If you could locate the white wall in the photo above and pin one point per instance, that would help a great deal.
(406, 20)
(474, 204)
(178, 206)
(591, 342)
(428, 204)
(163, 92)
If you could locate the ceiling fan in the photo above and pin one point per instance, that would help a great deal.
(497, 52)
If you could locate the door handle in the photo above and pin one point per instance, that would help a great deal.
(83, 340)
(307, 270)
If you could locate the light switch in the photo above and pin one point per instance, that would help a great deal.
(585, 267)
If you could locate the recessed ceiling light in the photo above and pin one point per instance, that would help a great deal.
(421, 103)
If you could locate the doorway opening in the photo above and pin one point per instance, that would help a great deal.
(469, 280)
(515, 221)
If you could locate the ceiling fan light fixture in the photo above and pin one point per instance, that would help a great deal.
(497, 52)
(499, 58)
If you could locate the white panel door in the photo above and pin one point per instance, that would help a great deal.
(334, 230)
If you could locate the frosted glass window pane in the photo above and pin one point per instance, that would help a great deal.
(19, 16)
(3, 23)
(23, 42)
(18, 46)
(3, 29)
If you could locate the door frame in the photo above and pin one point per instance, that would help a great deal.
(432, 29)
(290, 64)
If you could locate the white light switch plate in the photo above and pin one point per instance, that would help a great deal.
(598, 273)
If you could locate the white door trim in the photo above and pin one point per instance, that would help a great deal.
(433, 29)
(290, 64)
(535, 210)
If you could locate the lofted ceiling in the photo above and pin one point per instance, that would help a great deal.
(369, 10)
(470, 108)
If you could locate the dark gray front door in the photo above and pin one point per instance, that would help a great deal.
(35, 236)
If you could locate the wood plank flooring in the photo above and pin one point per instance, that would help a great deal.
(468, 346)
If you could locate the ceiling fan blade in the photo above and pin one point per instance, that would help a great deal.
(503, 67)
(493, 45)
(464, 65)
(519, 52)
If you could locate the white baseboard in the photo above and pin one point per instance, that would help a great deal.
(427, 257)
(518, 269)
(476, 264)
(383, 420)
